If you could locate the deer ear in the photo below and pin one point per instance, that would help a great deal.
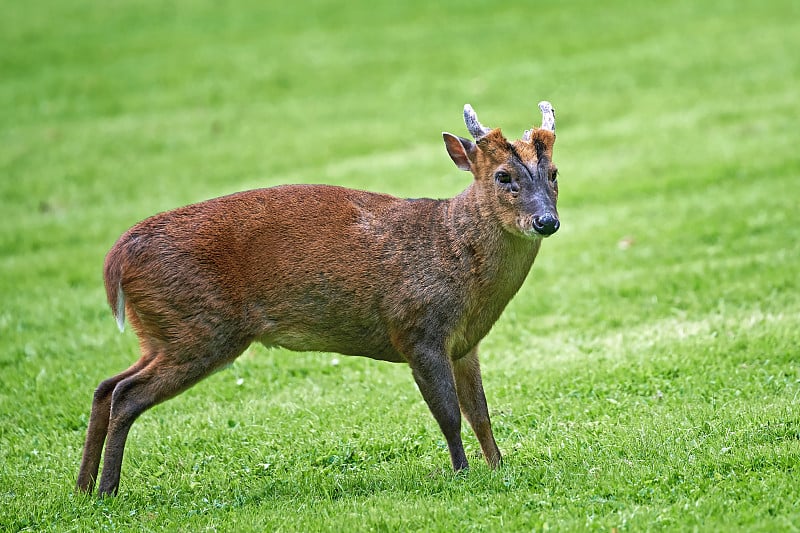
(461, 150)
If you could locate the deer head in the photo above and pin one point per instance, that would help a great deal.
(516, 181)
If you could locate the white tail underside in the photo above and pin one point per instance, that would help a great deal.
(119, 313)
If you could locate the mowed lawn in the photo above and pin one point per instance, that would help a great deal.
(646, 376)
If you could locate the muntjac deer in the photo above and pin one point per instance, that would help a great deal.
(323, 268)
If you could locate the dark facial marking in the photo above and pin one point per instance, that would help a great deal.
(515, 156)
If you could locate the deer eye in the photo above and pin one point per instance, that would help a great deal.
(503, 177)
(554, 175)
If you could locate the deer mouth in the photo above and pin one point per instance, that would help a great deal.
(529, 233)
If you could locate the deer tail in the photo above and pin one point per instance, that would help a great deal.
(114, 293)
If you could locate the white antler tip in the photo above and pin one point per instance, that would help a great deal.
(548, 115)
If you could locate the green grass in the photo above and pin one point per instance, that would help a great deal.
(647, 375)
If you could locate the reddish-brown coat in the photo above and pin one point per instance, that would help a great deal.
(324, 268)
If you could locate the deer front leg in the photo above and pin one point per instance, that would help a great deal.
(434, 376)
(472, 399)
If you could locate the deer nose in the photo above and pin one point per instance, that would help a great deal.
(546, 224)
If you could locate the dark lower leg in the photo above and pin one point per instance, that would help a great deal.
(472, 400)
(434, 377)
(98, 426)
(112, 461)
(132, 396)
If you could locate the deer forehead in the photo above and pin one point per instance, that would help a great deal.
(501, 151)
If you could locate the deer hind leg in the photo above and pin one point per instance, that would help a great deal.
(168, 374)
(472, 400)
(98, 426)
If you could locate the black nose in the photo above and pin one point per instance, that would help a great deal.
(546, 224)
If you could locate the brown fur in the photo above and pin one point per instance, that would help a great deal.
(314, 267)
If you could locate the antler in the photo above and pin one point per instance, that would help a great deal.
(548, 120)
(548, 116)
(476, 129)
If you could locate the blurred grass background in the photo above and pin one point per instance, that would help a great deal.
(646, 375)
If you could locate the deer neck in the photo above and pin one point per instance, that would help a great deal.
(494, 263)
(496, 255)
